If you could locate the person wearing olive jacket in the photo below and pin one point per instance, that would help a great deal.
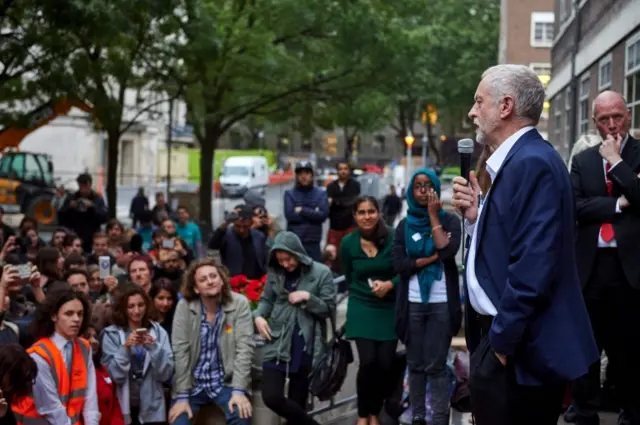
(298, 297)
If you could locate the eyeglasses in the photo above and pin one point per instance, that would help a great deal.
(422, 186)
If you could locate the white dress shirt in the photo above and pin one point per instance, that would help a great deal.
(47, 397)
(477, 297)
(612, 242)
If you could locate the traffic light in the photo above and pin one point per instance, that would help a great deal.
(432, 112)
(331, 145)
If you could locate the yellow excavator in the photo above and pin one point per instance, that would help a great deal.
(27, 185)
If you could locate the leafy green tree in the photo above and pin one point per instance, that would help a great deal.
(369, 111)
(23, 28)
(114, 49)
(244, 58)
(441, 51)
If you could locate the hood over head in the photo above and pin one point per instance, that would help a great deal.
(289, 242)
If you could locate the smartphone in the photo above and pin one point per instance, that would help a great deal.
(24, 271)
(104, 264)
(370, 283)
(141, 331)
(168, 243)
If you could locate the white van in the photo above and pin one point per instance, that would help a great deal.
(243, 173)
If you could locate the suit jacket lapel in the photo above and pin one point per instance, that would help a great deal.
(525, 138)
(596, 163)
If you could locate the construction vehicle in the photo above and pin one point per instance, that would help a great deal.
(27, 184)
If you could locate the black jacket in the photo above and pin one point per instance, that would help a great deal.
(341, 208)
(594, 207)
(84, 221)
(405, 266)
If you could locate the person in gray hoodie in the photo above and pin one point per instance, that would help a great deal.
(137, 354)
(298, 297)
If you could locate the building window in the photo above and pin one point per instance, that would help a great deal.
(563, 9)
(542, 29)
(604, 73)
(567, 117)
(585, 81)
(557, 113)
(543, 70)
(632, 83)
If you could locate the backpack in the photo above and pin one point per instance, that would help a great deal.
(329, 374)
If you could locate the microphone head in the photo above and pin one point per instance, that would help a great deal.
(465, 146)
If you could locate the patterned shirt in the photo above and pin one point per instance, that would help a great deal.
(209, 371)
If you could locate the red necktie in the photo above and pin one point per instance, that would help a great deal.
(606, 231)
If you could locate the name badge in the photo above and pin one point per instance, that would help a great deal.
(416, 237)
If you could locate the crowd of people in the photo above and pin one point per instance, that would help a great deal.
(143, 326)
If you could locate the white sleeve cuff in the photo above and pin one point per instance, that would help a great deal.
(469, 227)
(614, 165)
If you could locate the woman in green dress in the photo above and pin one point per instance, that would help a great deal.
(365, 255)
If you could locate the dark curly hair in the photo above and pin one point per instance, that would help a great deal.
(120, 318)
(17, 372)
(43, 326)
(189, 279)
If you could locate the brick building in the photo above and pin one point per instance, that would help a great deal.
(607, 57)
(526, 37)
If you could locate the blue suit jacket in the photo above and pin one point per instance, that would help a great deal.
(526, 264)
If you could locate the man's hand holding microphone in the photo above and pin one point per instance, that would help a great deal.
(465, 196)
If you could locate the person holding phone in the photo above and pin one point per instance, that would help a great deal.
(138, 356)
(17, 373)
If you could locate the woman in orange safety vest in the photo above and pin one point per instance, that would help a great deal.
(64, 392)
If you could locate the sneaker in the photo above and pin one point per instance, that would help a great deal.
(570, 414)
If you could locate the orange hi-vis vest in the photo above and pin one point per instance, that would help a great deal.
(72, 384)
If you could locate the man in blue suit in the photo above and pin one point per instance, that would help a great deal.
(527, 325)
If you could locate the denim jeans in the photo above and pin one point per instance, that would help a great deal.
(222, 401)
(427, 351)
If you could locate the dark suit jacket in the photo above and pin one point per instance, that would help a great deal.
(595, 206)
(405, 266)
(525, 262)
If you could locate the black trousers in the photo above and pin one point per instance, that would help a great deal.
(498, 399)
(614, 310)
(291, 406)
(374, 380)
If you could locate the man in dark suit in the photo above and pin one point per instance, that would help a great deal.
(527, 325)
(607, 191)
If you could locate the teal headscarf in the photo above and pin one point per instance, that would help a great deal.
(417, 234)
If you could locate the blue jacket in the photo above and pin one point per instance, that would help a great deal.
(526, 264)
(306, 224)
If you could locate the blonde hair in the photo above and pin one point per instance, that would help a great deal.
(583, 143)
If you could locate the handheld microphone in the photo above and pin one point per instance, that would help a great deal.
(465, 150)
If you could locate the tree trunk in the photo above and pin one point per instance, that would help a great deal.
(432, 143)
(207, 151)
(113, 142)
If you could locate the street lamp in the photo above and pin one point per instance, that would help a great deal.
(408, 140)
(260, 140)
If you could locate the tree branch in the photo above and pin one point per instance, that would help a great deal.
(307, 32)
(242, 111)
(148, 107)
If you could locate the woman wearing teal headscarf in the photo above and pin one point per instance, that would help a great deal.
(428, 311)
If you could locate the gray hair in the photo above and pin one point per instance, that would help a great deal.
(522, 84)
(583, 143)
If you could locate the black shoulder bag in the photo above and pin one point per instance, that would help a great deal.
(329, 374)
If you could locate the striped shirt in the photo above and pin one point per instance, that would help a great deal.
(209, 371)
